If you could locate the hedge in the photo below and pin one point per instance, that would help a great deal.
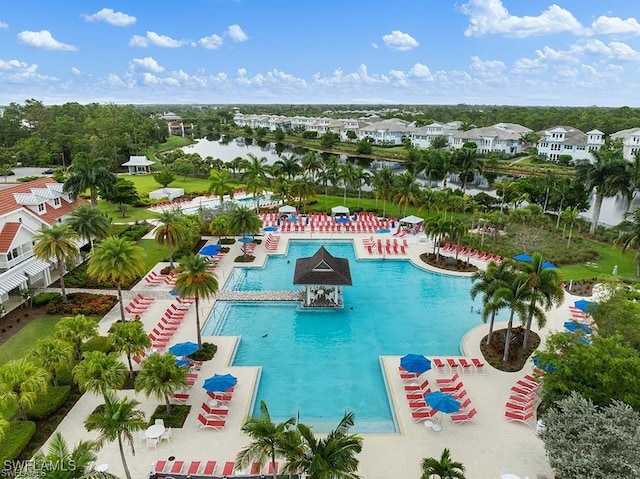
(47, 404)
(88, 304)
(16, 439)
(97, 343)
(44, 298)
(207, 352)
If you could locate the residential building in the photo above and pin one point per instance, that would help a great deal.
(566, 140)
(422, 137)
(24, 209)
(386, 132)
(630, 142)
(499, 138)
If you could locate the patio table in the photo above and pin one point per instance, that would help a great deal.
(155, 431)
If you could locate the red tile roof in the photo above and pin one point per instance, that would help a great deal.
(7, 235)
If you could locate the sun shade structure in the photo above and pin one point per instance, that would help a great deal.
(411, 220)
(585, 305)
(415, 363)
(523, 257)
(183, 349)
(339, 210)
(287, 209)
(322, 276)
(219, 383)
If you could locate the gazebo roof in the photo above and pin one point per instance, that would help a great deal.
(340, 210)
(287, 209)
(413, 220)
(322, 268)
(138, 161)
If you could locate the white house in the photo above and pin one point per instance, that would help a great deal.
(138, 165)
(501, 137)
(422, 137)
(630, 142)
(386, 132)
(566, 140)
(24, 209)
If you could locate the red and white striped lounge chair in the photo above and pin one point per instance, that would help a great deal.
(217, 424)
(209, 468)
(519, 417)
(463, 417)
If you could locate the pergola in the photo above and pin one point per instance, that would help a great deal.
(322, 276)
(138, 165)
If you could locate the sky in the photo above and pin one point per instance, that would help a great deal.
(489, 52)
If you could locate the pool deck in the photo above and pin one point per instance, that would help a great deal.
(485, 445)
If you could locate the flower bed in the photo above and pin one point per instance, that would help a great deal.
(83, 303)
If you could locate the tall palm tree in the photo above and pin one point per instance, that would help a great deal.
(516, 297)
(437, 227)
(444, 467)
(629, 235)
(268, 439)
(256, 176)
(74, 330)
(89, 223)
(171, 231)
(383, 185)
(56, 242)
(130, 338)
(467, 162)
(76, 463)
(117, 420)
(605, 177)
(331, 457)
(362, 178)
(311, 164)
(570, 215)
(193, 281)
(457, 229)
(304, 188)
(52, 354)
(243, 221)
(426, 200)
(99, 372)
(117, 260)
(546, 290)
(631, 187)
(85, 174)
(487, 282)
(160, 376)
(220, 184)
(21, 382)
(288, 166)
(347, 175)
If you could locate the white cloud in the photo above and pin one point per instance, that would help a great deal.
(241, 72)
(397, 40)
(153, 38)
(491, 17)
(4, 25)
(76, 71)
(486, 67)
(615, 26)
(374, 45)
(236, 33)
(212, 42)
(420, 70)
(115, 81)
(107, 15)
(15, 71)
(147, 64)
(43, 39)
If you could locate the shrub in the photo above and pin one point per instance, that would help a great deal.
(97, 343)
(227, 241)
(15, 440)
(48, 403)
(26, 179)
(79, 278)
(207, 352)
(179, 413)
(88, 304)
(136, 232)
(244, 259)
(44, 298)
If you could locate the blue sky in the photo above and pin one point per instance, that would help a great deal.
(505, 52)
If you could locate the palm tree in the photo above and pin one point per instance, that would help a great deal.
(117, 260)
(256, 176)
(362, 177)
(437, 227)
(85, 174)
(243, 221)
(332, 457)
(467, 162)
(632, 185)
(311, 164)
(70, 464)
(99, 372)
(288, 166)
(160, 376)
(74, 330)
(487, 282)
(383, 184)
(220, 184)
(444, 468)
(304, 188)
(56, 242)
(116, 420)
(129, 337)
(267, 437)
(21, 382)
(193, 281)
(52, 354)
(347, 175)
(570, 215)
(517, 297)
(629, 234)
(457, 229)
(89, 223)
(171, 231)
(605, 177)
(546, 289)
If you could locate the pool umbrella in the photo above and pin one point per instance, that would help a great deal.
(584, 305)
(574, 326)
(442, 402)
(342, 219)
(183, 349)
(183, 362)
(246, 239)
(549, 265)
(546, 367)
(293, 219)
(210, 250)
(415, 363)
(383, 230)
(271, 228)
(523, 257)
(219, 382)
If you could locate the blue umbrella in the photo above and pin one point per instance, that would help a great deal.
(584, 305)
(415, 363)
(210, 250)
(173, 292)
(219, 382)
(547, 368)
(574, 326)
(293, 219)
(549, 265)
(442, 402)
(183, 349)
(270, 228)
(183, 362)
(523, 257)
(342, 219)
(383, 230)
(246, 239)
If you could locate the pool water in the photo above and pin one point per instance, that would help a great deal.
(318, 364)
(247, 202)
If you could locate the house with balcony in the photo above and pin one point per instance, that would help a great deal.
(630, 142)
(422, 136)
(386, 132)
(503, 138)
(566, 140)
(24, 209)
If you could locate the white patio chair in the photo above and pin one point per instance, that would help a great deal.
(166, 436)
(159, 422)
(152, 442)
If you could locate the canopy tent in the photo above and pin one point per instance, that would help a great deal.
(339, 210)
(412, 220)
(287, 209)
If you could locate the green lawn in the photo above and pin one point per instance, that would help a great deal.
(154, 252)
(172, 142)
(133, 214)
(609, 258)
(145, 184)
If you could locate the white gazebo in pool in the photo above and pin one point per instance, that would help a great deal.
(322, 277)
(413, 224)
(339, 211)
(138, 165)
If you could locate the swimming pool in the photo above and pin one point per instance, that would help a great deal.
(247, 202)
(320, 363)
